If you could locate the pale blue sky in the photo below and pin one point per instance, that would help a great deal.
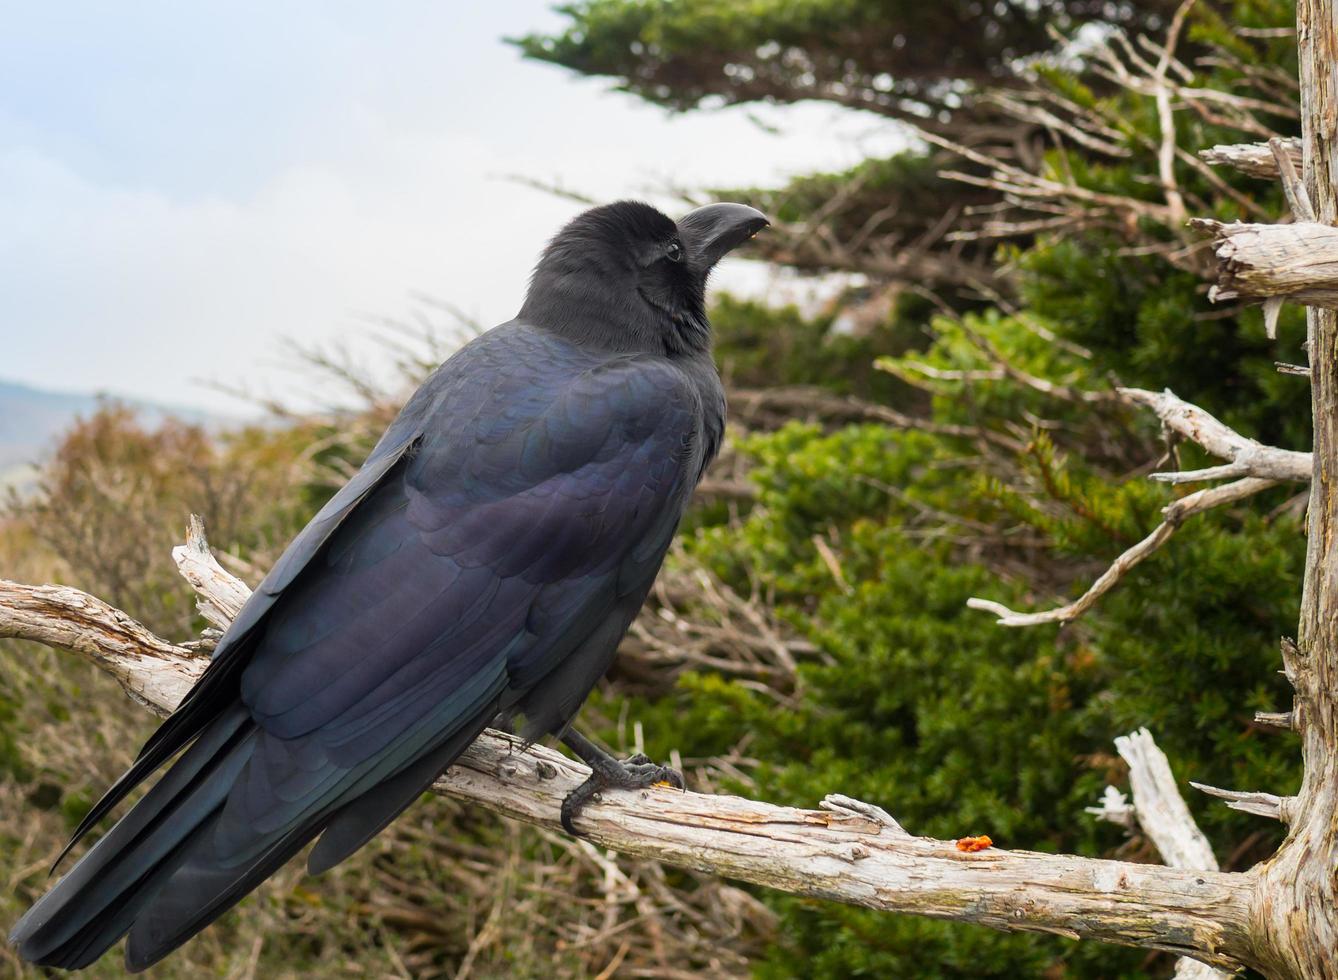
(184, 185)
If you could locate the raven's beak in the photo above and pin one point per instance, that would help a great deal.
(712, 232)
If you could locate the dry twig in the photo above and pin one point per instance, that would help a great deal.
(1173, 515)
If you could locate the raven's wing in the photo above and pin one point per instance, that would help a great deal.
(525, 501)
(534, 498)
(526, 511)
(217, 687)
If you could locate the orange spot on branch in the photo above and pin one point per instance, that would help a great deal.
(972, 844)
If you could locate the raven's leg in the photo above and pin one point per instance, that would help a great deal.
(606, 772)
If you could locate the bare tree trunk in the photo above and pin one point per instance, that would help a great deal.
(1296, 906)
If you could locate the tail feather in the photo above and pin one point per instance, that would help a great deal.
(92, 906)
(202, 707)
(236, 805)
(102, 932)
(173, 913)
(215, 873)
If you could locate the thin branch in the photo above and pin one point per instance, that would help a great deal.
(1174, 514)
(1166, 155)
(1296, 370)
(1004, 368)
(726, 489)
(1260, 804)
(801, 400)
(1245, 457)
(1284, 720)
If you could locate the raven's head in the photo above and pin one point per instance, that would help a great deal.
(627, 277)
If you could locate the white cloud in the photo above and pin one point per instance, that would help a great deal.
(184, 246)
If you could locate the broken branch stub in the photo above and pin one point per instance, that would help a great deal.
(1297, 262)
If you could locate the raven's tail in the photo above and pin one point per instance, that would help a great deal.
(230, 857)
(235, 806)
(90, 908)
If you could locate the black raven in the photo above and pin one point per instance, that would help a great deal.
(486, 560)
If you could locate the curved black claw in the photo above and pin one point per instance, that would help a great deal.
(638, 772)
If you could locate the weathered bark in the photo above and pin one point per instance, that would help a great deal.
(1255, 159)
(847, 851)
(1245, 457)
(1297, 262)
(153, 671)
(1160, 810)
(1296, 907)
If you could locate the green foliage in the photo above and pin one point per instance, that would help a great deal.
(756, 346)
(920, 705)
(883, 55)
(1148, 323)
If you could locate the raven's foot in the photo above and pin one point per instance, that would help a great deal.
(606, 772)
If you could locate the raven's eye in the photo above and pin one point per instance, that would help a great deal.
(674, 251)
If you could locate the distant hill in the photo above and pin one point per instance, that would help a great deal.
(31, 419)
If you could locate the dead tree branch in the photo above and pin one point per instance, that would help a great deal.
(1031, 202)
(1252, 465)
(1296, 262)
(1253, 159)
(1248, 801)
(1160, 810)
(1245, 457)
(153, 671)
(1162, 92)
(847, 851)
(1173, 514)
